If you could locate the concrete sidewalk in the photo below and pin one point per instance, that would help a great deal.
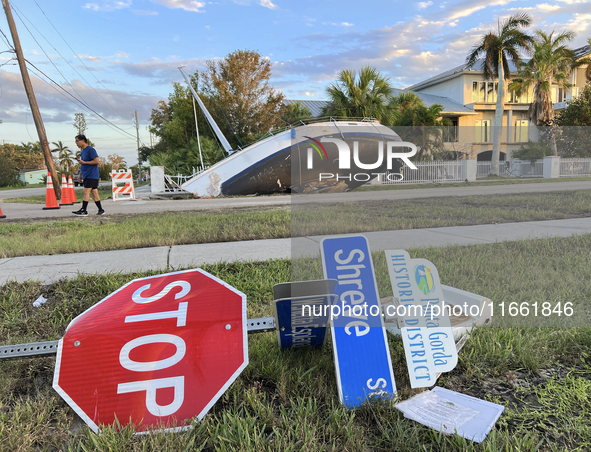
(48, 269)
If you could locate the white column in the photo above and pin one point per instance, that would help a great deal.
(469, 170)
(157, 179)
(551, 167)
(509, 125)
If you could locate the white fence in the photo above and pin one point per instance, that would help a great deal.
(575, 167)
(513, 168)
(434, 171)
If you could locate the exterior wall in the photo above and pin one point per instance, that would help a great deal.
(459, 89)
(452, 89)
(33, 177)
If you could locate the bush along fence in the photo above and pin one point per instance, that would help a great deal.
(471, 170)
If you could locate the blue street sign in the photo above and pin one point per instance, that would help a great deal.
(303, 321)
(361, 354)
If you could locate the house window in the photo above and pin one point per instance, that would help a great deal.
(482, 131)
(515, 98)
(558, 95)
(521, 130)
(484, 91)
(575, 91)
(450, 133)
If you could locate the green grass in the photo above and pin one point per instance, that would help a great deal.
(490, 180)
(112, 232)
(22, 186)
(126, 232)
(104, 193)
(287, 400)
(385, 215)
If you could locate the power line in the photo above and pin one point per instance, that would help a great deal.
(79, 95)
(76, 55)
(16, 10)
(77, 100)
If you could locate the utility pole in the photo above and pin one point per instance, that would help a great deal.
(32, 101)
(139, 162)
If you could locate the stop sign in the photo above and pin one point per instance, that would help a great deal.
(158, 351)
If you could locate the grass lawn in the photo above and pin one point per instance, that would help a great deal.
(104, 192)
(23, 186)
(490, 180)
(288, 400)
(110, 232)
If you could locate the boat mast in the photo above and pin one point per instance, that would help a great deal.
(213, 124)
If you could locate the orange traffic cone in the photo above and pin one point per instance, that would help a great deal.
(50, 199)
(73, 199)
(1, 214)
(65, 192)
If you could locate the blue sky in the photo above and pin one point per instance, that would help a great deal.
(118, 56)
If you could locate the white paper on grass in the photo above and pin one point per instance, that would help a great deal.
(39, 301)
(452, 412)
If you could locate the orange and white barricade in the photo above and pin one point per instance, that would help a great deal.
(122, 185)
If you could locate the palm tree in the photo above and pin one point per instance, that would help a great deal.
(402, 103)
(498, 49)
(64, 156)
(419, 124)
(552, 63)
(364, 95)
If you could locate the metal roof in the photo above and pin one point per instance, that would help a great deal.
(582, 51)
(449, 106)
(478, 67)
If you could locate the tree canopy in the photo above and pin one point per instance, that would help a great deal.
(363, 95)
(239, 96)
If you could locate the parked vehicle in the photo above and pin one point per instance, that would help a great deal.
(76, 176)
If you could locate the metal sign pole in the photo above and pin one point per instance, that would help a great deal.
(39, 349)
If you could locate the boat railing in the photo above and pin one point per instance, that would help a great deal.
(311, 121)
(172, 183)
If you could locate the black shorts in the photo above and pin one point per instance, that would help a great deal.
(91, 183)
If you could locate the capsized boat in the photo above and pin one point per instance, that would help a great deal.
(286, 161)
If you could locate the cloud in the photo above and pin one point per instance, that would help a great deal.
(58, 107)
(187, 5)
(467, 8)
(108, 6)
(139, 12)
(158, 71)
(423, 5)
(268, 4)
(335, 24)
(122, 55)
(89, 57)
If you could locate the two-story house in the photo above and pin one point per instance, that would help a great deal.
(468, 88)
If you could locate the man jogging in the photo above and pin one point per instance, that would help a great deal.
(89, 161)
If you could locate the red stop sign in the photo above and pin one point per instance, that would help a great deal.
(159, 351)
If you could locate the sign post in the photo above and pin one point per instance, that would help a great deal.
(157, 352)
(360, 346)
(302, 310)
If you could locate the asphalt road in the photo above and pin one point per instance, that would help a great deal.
(20, 211)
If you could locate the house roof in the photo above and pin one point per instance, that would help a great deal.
(582, 51)
(449, 106)
(478, 67)
(455, 72)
